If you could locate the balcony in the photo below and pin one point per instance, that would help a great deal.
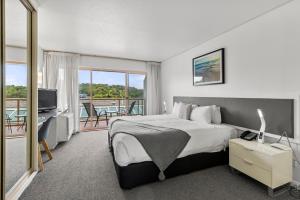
(16, 108)
(113, 107)
(15, 122)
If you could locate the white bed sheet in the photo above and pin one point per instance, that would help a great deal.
(204, 138)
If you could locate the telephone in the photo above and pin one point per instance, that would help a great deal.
(248, 135)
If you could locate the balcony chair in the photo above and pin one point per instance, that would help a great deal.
(8, 122)
(42, 135)
(129, 111)
(94, 113)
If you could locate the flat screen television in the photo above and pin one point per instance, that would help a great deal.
(47, 99)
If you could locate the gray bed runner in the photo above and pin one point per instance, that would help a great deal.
(163, 145)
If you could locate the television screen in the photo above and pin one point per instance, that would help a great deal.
(47, 99)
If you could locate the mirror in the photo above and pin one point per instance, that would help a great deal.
(17, 100)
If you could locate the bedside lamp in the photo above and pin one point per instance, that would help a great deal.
(261, 137)
(165, 107)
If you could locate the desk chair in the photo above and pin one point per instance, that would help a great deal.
(42, 135)
(94, 113)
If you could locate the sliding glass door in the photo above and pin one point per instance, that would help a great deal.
(110, 93)
(136, 92)
(85, 95)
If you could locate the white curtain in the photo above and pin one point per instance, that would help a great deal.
(153, 106)
(60, 71)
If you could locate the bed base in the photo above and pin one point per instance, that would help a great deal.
(146, 172)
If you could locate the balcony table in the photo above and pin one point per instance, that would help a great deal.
(111, 112)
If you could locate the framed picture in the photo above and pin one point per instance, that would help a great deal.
(209, 68)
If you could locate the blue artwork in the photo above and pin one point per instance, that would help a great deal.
(209, 68)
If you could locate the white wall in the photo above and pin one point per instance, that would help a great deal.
(112, 63)
(262, 59)
(19, 54)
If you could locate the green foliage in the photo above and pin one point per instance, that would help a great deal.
(98, 90)
(13, 91)
(135, 93)
(109, 91)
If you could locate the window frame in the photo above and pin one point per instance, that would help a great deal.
(126, 72)
(90, 70)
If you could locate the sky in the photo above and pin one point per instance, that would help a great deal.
(112, 78)
(16, 74)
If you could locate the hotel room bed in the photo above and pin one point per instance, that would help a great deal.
(207, 147)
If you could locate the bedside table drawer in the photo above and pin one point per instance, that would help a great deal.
(251, 155)
(251, 169)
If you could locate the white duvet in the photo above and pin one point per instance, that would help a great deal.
(204, 138)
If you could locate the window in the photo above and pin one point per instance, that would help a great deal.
(108, 84)
(136, 85)
(111, 91)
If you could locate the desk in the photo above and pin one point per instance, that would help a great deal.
(43, 116)
(61, 128)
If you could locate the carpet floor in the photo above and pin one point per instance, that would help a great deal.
(82, 169)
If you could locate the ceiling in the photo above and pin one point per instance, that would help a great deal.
(15, 23)
(141, 29)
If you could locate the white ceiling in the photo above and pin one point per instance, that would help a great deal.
(140, 29)
(15, 23)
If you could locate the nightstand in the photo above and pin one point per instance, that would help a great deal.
(268, 165)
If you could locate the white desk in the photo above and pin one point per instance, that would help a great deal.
(61, 128)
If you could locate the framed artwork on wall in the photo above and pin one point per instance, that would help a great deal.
(209, 68)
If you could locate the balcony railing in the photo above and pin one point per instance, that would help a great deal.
(113, 106)
(18, 106)
(15, 107)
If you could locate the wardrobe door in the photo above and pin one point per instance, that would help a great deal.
(2, 193)
(17, 90)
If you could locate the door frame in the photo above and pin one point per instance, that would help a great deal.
(32, 143)
(2, 141)
(99, 69)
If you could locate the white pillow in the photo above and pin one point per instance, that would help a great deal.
(176, 109)
(216, 114)
(184, 110)
(202, 114)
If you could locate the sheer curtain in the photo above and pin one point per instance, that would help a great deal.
(60, 72)
(153, 106)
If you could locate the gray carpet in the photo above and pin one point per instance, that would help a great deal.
(83, 169)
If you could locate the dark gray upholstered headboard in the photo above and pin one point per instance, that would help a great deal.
(242, 112)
